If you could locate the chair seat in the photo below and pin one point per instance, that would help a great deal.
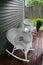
(20, 39)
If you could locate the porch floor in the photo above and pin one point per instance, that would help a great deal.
(36, 56)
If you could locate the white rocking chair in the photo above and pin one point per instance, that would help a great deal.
(21, 39)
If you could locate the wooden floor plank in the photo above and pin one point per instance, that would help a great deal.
(36, 57)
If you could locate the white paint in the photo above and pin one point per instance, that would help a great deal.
(13, 36)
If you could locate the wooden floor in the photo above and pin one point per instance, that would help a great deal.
(36, 57)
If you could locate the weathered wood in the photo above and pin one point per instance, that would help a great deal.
(34, 12)
(36, 57)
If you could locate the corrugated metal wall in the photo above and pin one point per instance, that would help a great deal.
(11, 15)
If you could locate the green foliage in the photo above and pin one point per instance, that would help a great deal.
(39, 23)
(33, 2)
(41, 28)
(35, 20)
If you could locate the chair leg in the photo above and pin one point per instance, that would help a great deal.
(13, 50)
(26, 54)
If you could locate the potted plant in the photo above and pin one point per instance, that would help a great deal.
(38, 25)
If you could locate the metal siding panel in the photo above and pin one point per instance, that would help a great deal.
(11, 15)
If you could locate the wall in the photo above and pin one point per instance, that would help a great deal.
(11, 15)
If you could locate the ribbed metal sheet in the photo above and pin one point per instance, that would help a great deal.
(11, 15)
